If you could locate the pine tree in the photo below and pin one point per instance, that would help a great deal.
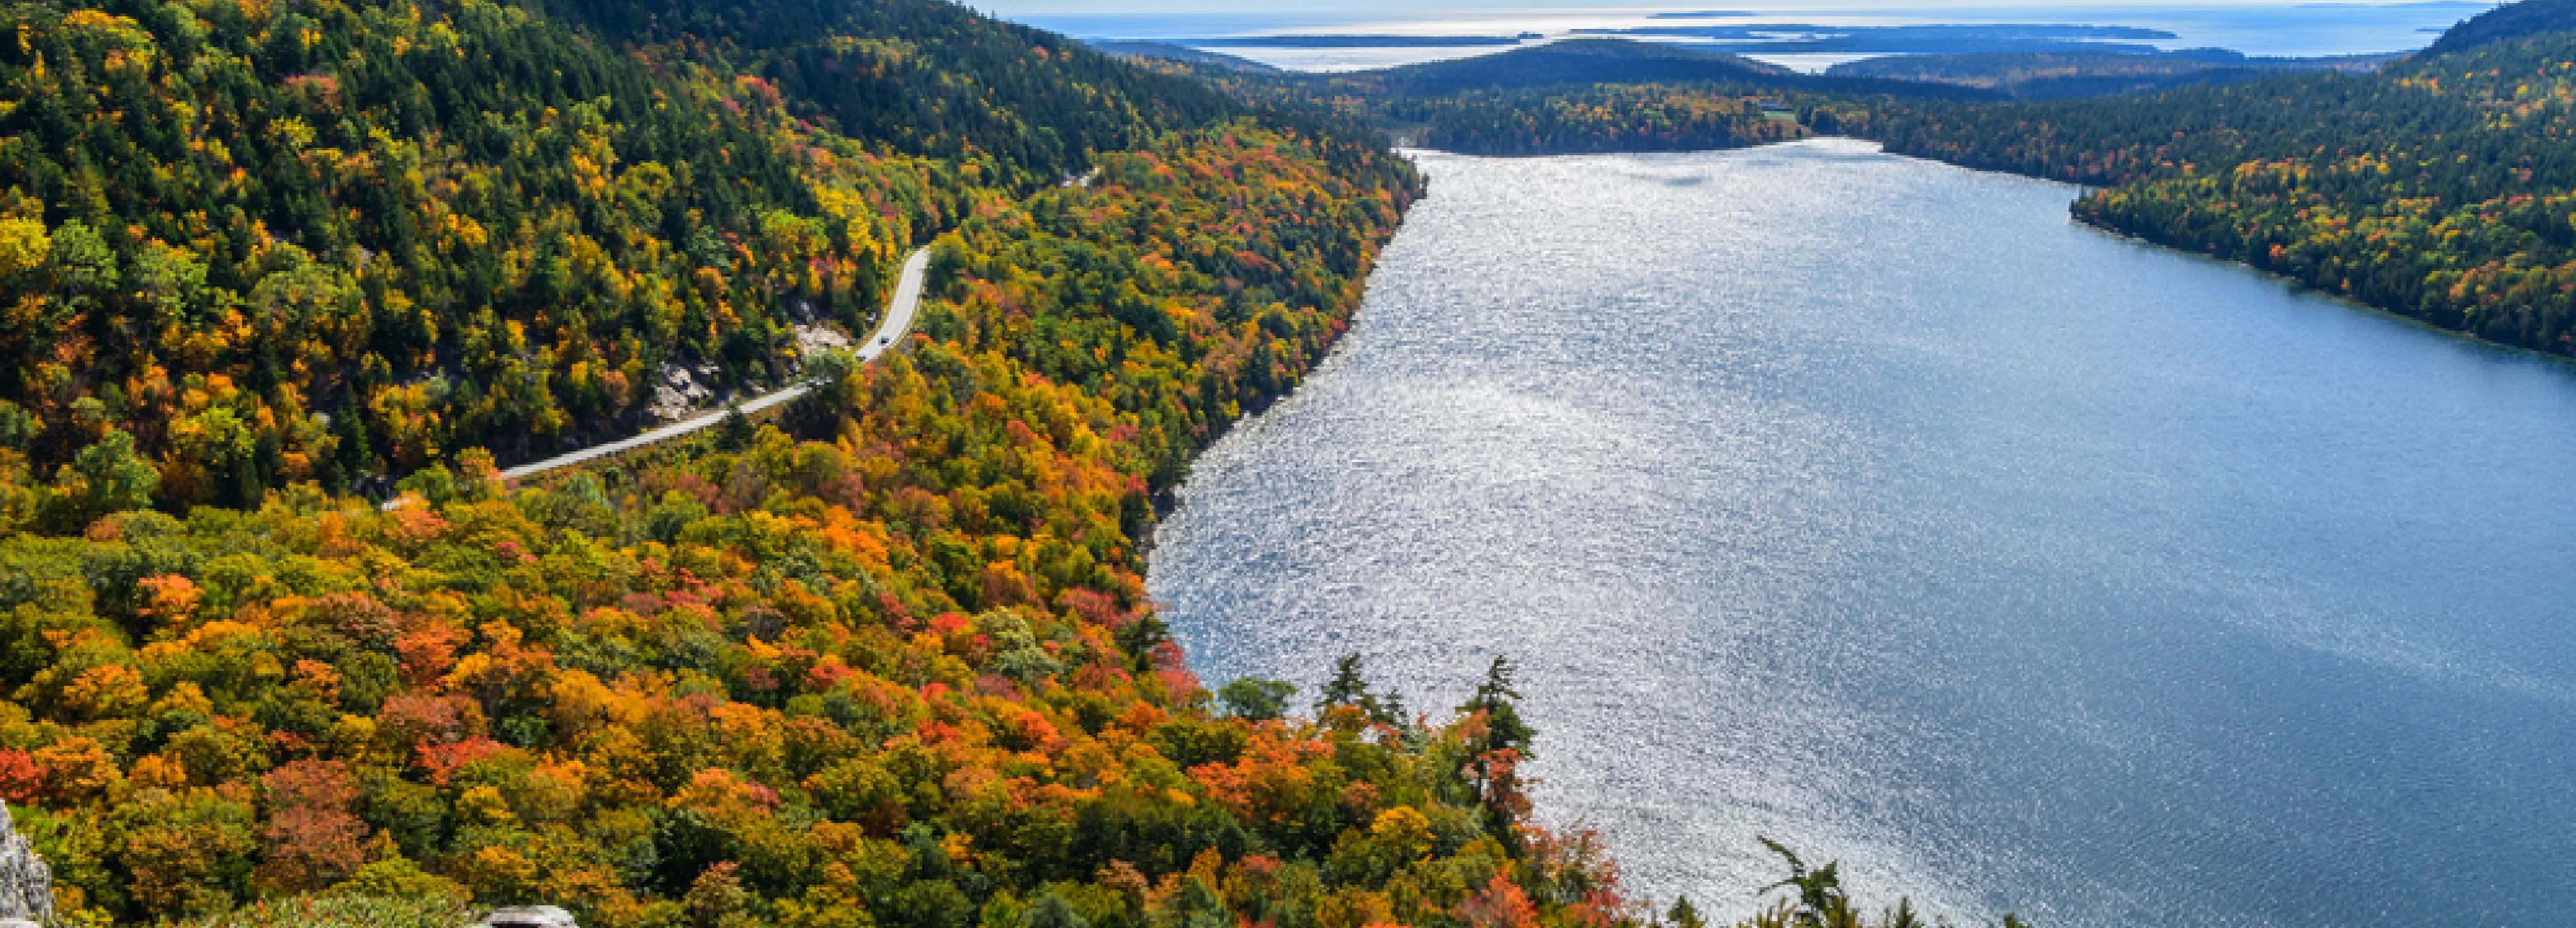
(1684, 915)
(1499, 703)
(1350, 688)
(1139, 639)
(735, 432)
(1494, 770)
(1346, 688)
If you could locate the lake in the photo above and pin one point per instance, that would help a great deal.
(1874, 506)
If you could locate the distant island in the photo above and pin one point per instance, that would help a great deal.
(1925, 39)
(1361, 41)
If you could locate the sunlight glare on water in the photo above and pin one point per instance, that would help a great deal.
(1872, 505)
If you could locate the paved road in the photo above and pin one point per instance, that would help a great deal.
(898, 323)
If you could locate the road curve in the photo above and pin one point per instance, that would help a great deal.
(898, 323)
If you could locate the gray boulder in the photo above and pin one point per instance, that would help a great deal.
(26, 884)
(534, 916)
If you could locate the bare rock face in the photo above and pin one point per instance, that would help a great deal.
(812, 340)
(26, 884)
(679, 393)
(535, 916)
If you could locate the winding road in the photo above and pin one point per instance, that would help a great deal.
(898, 323)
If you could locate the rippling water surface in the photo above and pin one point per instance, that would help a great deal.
(1871, 505)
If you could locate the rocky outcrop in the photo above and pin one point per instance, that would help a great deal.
(812, 340)
(679, 393)
(26, 884)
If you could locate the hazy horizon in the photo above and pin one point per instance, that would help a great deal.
(2287, 29)
(1379, 9)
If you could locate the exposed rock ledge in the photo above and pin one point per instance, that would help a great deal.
(26, 883)
(683, 391)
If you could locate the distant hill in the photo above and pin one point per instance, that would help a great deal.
(1367, 41)
(1573, 96)
(925, 77)
(1574, 61)
(1194, 57)
(1928, 39)
(2067, 75)
(2511, 21)
(1618, 61)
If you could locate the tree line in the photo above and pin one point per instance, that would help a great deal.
(2440, 188)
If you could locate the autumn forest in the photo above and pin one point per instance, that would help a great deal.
(284, 286)
(883, 659)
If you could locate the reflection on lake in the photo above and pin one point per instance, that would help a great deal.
(1872, 505)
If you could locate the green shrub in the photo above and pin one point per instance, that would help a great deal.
(345, 911)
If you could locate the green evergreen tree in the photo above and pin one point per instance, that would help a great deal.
(1141, 637)
(1684, 915)
(1349, 687)
(1500, 705)
(1902, 916)
(735, 432)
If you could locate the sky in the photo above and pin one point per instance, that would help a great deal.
(1017, 9)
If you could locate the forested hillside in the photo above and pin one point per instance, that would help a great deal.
(2505, 23)
(1573, 62)
(1601, 118)
(897, 673)
(2441, 188)
(2065, 75)
(268, 244)
(923, 77)
(1567, 97)
(264, 244)
(887, 662)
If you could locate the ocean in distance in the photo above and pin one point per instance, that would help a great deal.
(2264, 29)
(1873, 505)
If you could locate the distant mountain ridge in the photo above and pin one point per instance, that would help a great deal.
(1573, 61)
(1567, 62)
(1584, 95)
(1625, 61)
